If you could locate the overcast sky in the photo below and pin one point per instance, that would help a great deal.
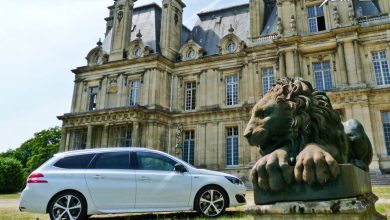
(40, 42)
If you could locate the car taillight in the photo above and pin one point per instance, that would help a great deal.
(36, 178)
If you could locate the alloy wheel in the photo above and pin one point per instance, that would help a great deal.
(67, 207)
(211, 203)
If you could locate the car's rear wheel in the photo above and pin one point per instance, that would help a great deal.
(68, 205)
(211, 201)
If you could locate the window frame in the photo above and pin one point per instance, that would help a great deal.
(190, 96)
(120, 135)
(270, 79)
(234, 139)
(381, 61)
(324, 72)
(315, 18)
(93, 98)
(190, 143)
(134, 92)
(232, 90)
(385, 116)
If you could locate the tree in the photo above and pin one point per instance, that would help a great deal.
(35, 151)
(11, 175)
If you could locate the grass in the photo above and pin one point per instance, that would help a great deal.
(383, 192)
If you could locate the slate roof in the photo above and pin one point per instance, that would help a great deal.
(366, 8)
(146, 18)
(212, 26)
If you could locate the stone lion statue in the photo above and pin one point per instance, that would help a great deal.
(301, 138)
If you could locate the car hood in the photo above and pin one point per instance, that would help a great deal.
(210, 172)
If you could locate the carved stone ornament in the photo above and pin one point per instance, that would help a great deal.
(96, 56)
(351, 14)
(302, 138)
(293, 24)
(137, 48)
(120, 16)
(336, 17)
(280, 25)
(231, 43)
(191, 51)
(113, 87)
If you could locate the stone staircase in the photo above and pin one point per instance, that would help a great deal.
(378, 179)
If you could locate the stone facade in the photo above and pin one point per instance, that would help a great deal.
(138, 87)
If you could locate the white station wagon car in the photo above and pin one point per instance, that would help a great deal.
(76, 184)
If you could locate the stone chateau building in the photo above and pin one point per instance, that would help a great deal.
(152, 75)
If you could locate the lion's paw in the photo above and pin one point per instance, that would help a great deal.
(272, 172)
(315, 165)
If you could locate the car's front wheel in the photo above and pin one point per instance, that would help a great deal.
(68, 205)
(211, 201)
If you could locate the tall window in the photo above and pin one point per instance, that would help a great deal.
(232, 90)
(121, 136)
(381, 68)
(79, 139)
(386, 129)
(268, 79)
(189, 147)
(322, 75)
(135, 87)
(93, 93)
(316, 19)
(232, 146)
(190, 98)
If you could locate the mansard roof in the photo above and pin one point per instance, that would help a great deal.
(366, 8)
(212, 26)
(146, 18)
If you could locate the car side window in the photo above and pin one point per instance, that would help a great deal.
(111, 160)
(75, 162)
(153, 161)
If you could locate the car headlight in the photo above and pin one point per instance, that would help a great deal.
(234, 180)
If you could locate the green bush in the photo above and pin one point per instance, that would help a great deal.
(11, 176)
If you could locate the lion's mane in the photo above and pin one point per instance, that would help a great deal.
(313, 118)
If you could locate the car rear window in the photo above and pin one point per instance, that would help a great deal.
(75, 162)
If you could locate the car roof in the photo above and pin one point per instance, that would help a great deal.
(101, 150)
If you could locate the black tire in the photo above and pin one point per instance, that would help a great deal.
(68, 203)
(211, 201)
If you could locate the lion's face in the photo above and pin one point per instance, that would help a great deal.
(270, 124)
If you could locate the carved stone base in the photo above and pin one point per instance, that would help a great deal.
(359, 208)
(352, 182)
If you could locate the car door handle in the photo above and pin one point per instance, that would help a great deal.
(98, 177)
(144, 178)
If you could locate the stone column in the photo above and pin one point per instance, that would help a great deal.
(290, 64)
(359, 68)
(75, 95)
(105, 136)
(63, 139)
(67, 142)
(341, 59)
(351, 63)
(384, 6)
(256, 9)
(89, 137)
(135, 135)
(282, 65)
(297, 71)
(102, 94)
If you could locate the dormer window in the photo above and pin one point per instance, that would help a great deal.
(231, 47)
(190, 54)
(316, 19)
(137, 52)
(97, 60)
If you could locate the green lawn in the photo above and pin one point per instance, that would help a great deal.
(383, 192)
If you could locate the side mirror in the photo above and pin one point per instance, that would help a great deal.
(180, 168)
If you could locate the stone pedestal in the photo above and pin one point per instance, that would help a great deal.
(348, 196)
(359, 208)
